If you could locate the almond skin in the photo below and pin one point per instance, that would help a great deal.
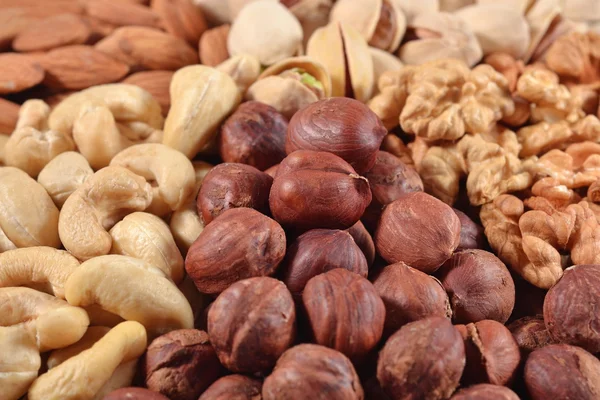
(181, 18)
(57, 31)
(213, 46)
(9, 113)
(18, 72)
(123, 13)
(156, 83)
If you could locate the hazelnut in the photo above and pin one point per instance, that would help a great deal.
(318, 251)
(251, 324)
(409, 295)
(485, 391)
(571, 308)
(471, 234)
(233, 185)
(492, 353)
(479, 286)
(241, 243)
(530, 333)
(255, 135)
(181, 364)
(344, 312)
(419, 230)
(134, 393)
(562, 371)
(233, 387)
(310, 371)
(272, 171)
(363, 239)
(338, 125)
(423, 360)
(318, 190)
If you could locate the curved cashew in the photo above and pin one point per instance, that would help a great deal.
(101, 317)
(3, 139)
(84, 375)
(43, 268)
(147, 237)
(28, 217)
(145, 295)
(63, 175)
(20, 361)
(96, 206)
(171, 170)
(106, 119)
(5, 243)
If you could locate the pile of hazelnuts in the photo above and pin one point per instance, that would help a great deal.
(335, 276)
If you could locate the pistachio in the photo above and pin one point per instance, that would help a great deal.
(312, 14)
(413, 8)
(345, 55)
(382, 62)
(520, 6)
(539, 17)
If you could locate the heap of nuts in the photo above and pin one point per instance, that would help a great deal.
(299, 199)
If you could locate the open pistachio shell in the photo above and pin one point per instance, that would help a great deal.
(310, 65)
(382, 62)
(244, 69)
(312, 15)
(540, 16)
(413, 8)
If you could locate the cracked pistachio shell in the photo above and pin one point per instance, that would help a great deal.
(201, 98)
(345, 54)
(412, 8)
(266, 30)
(382, 62)
(539, 17)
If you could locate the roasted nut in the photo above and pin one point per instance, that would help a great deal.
(63, 175)
(411, 8)
(561, 371)
(312, 14)
(575, 324)
(485, 391)
(134, 393)
(345, 54)
(409, 295)
(213, 45)
(540, 17)
(255, 135)
(342, 126)
(344, 312)
(156, 83)
(479, 286)
(244, 69)
(530, 333)
(241, 243)
(471, 234)
(576, 56)
(181, 18)
(363, 240)
(251, 324)
(266, 30)
(424, 359)
(28, 217)
(419, 230)
(98, 204)
(382, 62)
(181, 364)
(492, 353)
(309, 370)
(3, 140)
(233, 387)
(215, 11)
(201, 98)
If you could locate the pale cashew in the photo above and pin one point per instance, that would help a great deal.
(5, 243)
(20, 361)
(146, 295)
(83, 376)
(3, 140)
(106, 119)
(32, 145)
(147, 237)
(63, 175)
(171, 170)
(104, 199)
(28, 217)
(100, 317)
(42, 268)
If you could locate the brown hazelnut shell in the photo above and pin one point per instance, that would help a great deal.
(318, 190)
(232, 185)
(233, 387)
(255, 135)
(479, 287)
(251, 324)
(181, 364)
(318, 251)
(134, 393)
(572, 308)
(410, 295)
(344, 312)
(419, 230)
(423, 360)
(471, 234)
(241, 243)
(363, 239)
(338, 125)
(310, 371)
(485, 391)
(390, 178)
(530, 333)
(562, 371)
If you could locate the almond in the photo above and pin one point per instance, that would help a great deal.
(181, 18)
(9, 113)
(213, 46)
(12, 22)
(122, 13)
(79, 67)
(18, 72)
(156, 83)
(56, 31)
(99, 29)
(44, 8)
(147, 48)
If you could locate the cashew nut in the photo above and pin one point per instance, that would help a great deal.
(28, 217)
(43, 268)
(83, 376)
(3, 140)
(147, 237)
(20, 361)
(5, 243)
(146, 295)
(104, 198)
(63, 175)
(171, 170)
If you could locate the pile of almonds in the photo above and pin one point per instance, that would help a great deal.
(299, 199)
